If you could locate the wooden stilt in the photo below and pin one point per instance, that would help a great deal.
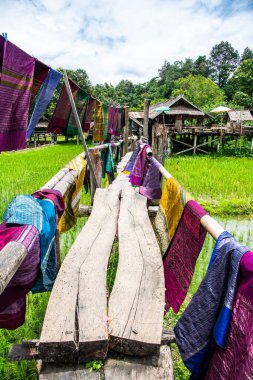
(195, 143)
(251, 145)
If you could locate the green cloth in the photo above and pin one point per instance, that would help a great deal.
(105, 113)
(81, 100)
(107, 161)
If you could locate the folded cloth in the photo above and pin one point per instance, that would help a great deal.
(17, 69)
(194, 331)
(40, 73)
(25, 209)
(44, 98)
(72, 195)
(235, 361)
(55, 196)
(151, 187)
(95, 157)
(13, 299)
(180, 259)
(140, 167)
(99, 123)
(105, 118)
(170, 210)
(89, 113)
(62, 110)
(131, 162)
(81, 101)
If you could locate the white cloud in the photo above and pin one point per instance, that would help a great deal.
(115, 39)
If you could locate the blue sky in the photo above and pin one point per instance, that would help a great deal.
(118, 39)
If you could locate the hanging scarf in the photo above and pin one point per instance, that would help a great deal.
(40, 73)
(89, 113)
(81, 100)
(151, 187)
(99, 123)
(105, 117)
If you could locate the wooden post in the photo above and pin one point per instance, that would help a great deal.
(251, 145)
(146, 118)
(169, 146)
(71, 99)
(125, 131)
(195, 144)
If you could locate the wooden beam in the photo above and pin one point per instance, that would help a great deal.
(85, 211)
(146, 117)
(67, 372)
(136, 304)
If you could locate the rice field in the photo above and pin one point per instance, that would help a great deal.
(222, 185)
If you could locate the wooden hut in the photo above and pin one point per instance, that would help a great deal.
(237, 119)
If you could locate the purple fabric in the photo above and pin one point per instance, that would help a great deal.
(111, 112)
(17, 69)
(236, 360)
(140, 167)
(55, 196)
(180, 259)
(115, 130)
(151, 187)
(13, 299)
(89, 113)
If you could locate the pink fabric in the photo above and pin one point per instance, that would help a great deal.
(236, 360)
(55, 196)
(140, 167)
(115, 130)
(151, 187)
(180, 259)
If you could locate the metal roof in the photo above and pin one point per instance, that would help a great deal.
(243, 115)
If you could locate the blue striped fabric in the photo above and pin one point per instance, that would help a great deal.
(210, 307)
(44, 98)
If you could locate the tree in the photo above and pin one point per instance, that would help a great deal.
(242, 79)
(247, 54)
(242, 100)
(223, 61)
(201, 66)
(201, 91)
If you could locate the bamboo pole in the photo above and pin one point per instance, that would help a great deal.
(146, 118)
(210, 224)
(71, 99)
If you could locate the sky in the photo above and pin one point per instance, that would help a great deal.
(115, 39)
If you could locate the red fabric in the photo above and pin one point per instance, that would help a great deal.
(40, 73)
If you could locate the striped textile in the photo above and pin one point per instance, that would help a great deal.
(89, 114)
(140, 167)
(62, 111)
(13, 299)
(180, 259)
(40, 73)
(151, 187)
(72, 195)
(15, 93)
(130, 164)
(170, 210)
(98, 123)
(81, 100)
(44, 98)
(194, 331)
(95, 157)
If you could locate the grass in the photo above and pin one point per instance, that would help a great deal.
(222, 185)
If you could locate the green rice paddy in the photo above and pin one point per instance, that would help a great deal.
(222, 185)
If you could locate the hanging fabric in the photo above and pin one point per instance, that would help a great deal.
(170, 210)
(81, 100)
(115, 131)
(105, 117)
(40, 73)
(98, 123)
(111, 112)
(44, 98)
(131, 162)
(206, 319)
(17, 69)
(151, 187)
(89, 113)
(140, 167)
(62, 111)
(95, 157)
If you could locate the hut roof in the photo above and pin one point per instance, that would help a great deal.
(243, 115)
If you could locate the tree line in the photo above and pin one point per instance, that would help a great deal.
(224, 77)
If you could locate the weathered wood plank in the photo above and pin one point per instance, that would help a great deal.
(67, 372)
(28, 350)
(59, 337)
(92, 296)
(153, 368)
(11, 257)
(64, 184)
(122, 179)
(136, 305)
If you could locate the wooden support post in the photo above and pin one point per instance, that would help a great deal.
(77, 120)
(146, 117)
(195, 144)
(251, 145)
(169, 150)
(125, 131)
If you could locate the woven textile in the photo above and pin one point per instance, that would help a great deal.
(95, 157)
(72, 195)
(44, 98)
(62, 110)
(111, 119)
(140, 167)
(130, 164)
(15, 93)
(180, 259)
(55, 196)
(13, 299)
(194, 330)
(40, 73)
(236, 360)
(98, 123)
(171, 207)
(81, 100)
(105, 118)
(151, 187)
(89, 113)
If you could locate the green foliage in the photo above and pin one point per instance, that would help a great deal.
(242, 100)
(94, 365)
(242, 79)
(199, 90)
(223, 61)
(247, 54)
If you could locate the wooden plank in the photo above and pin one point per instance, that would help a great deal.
(59, 337)
(28, 350)
(136, 305)
(67, 372)
(11, 257)
(153, 368)
(84, 210)
(92, 296)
